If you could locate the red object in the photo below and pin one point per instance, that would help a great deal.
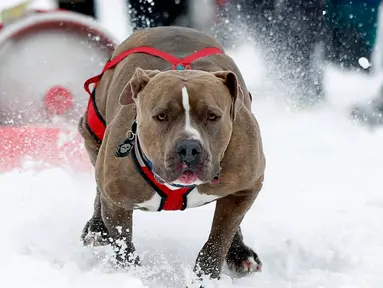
(46, 147)
(171, 199)
(222, 2)
(58, 100)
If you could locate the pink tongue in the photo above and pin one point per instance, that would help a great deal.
(187, 177)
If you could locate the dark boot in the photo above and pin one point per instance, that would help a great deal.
(371, 113)
(86, 7)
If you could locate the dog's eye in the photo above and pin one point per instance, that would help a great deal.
(162, 117)
(212, 117)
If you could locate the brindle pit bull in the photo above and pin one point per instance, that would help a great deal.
(170, 127)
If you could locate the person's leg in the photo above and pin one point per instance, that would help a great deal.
(156, 13)
(297, 31)
(353, 26)
(86, 7)
(370, 113)
(353, 38)
(288, 33)
(241, 18)
(256, 12)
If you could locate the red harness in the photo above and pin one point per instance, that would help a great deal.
(170, 199)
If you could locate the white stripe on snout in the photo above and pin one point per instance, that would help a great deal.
(188, 126)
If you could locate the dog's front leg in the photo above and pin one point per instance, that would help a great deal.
(119, 222)
(95, 232)
(228, 215)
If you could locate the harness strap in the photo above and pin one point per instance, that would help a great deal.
(177, 63)
(94, 121)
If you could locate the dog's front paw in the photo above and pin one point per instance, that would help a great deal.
(95, 233)
(243, 260)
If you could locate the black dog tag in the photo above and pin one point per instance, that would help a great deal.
(126, 146)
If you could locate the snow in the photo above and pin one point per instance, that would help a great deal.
(315, 224)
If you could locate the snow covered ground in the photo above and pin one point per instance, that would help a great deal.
(315, 224)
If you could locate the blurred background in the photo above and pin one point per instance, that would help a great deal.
(48, 48)
(296, 38)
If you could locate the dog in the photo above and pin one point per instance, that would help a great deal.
(169, 127)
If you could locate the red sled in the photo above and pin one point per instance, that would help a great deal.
(46, 56)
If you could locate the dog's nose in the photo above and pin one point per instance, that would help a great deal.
(189, 151)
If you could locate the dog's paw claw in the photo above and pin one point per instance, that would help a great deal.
(250, 265)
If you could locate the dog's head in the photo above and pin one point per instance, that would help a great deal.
(185, 121)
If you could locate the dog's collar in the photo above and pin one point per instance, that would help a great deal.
(131, 145)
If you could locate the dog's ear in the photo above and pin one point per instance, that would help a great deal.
(138, 82)
(231, 82)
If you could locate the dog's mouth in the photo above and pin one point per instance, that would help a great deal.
(187, 177)
(178, 173)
